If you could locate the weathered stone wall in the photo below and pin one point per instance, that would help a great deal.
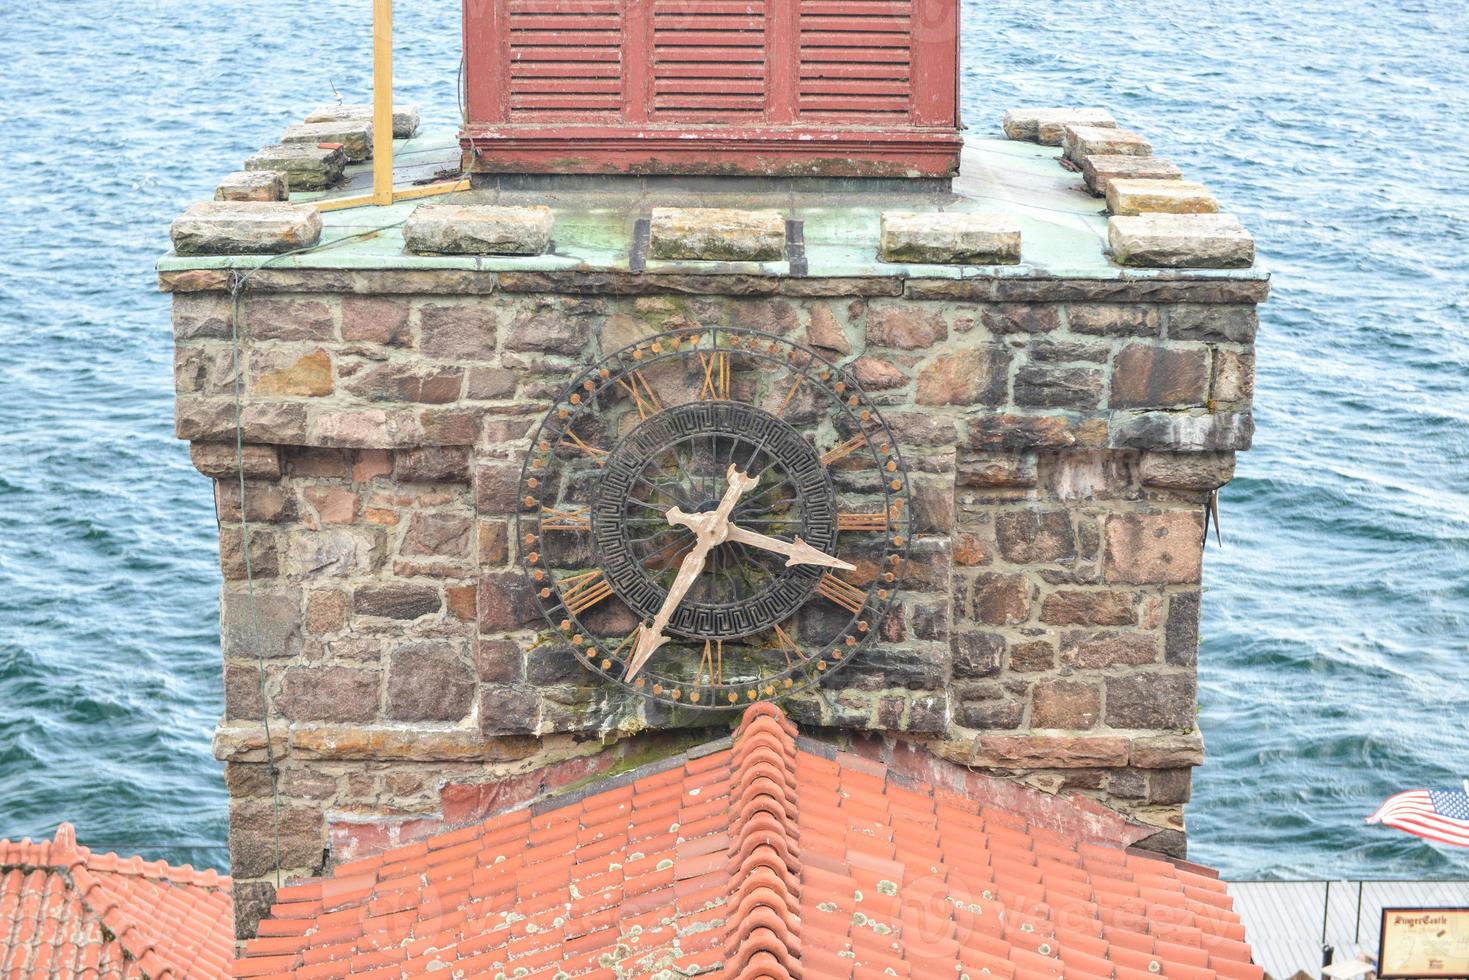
(1063, 438)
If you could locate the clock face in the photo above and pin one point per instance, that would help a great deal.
(713, 517)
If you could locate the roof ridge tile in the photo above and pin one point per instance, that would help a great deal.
(763, 939)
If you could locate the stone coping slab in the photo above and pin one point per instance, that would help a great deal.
(1048, 126)
(1181, 241)
(239, 227)
(1064, 229)
(1130, 196)
(252, 185)
(717, 234)
(354, 135)
(1081, 142)
(469, 229)
(1100, 169)
(405, 117)
(949, 237)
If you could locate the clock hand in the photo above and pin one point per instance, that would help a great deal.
(797, 552)
(709, 530)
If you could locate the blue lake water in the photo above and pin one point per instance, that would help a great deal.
(1335, 668)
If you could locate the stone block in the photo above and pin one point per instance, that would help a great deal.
(252, 185)
(429, 681)
(1132, 196)
(222, 460)
(397, 601)
(307, 376)
(1043, 386)
(1070, 607)
(1154, 549)
(904, 327)
(949, 238)
(244, 228)
(307, 167)
(1048, 126)
(1180, 241)
(328, 694)
(1182, 433)
(1032, 537)
(717, 234)
(1080, 142)
(353, 135)
(1085, 651)
(1149, 376)
(1181, 630)
(1186, 471)
(970, 376)
(1150, 700)
(1001, 600)
(475, 229)
(405, 117)
(1100, 169)
(1068, 705)
(271, 630)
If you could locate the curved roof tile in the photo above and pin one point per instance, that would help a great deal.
(761, 861)
(65, 911)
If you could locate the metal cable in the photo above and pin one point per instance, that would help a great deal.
(237, 283)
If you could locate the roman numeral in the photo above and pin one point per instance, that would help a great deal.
(844, 449)
(788, 646)
(716, 375)
(574, 441)
(579, 519)
(712, 664)
(583, 591)
(862, 522)
(844, 594)
(642, 395)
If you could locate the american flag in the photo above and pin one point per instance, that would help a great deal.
(1438, 814)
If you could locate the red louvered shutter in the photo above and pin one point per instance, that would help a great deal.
(850, 87)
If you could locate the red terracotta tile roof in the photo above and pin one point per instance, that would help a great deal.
(757, 860)
(66, 912)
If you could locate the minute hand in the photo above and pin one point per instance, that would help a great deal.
(797, 552)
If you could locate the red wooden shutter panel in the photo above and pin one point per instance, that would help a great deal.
(708, 59)
(849, 87)
(856, 58)
(565, 58)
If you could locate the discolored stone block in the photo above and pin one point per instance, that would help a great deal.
(1180, 241)
(1069, 705)
(1080, 142)
(307, 167)
(977, 654)
(1043, 386)
(465, 229)
(244, 228)
(1097, 652)
(1048, 126)
(396, 601)
(971, 376)
(509, 710)
(251, 185)
(949, 238)
(1181, 630)
(353, 135)
(1154, 549)
(1133, 196)
(1148, 376)
(1073, 607)
(903, 327)
(1100, 169)
(717, 234)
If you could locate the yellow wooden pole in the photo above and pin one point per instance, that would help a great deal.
(382, 128)
(382, 101)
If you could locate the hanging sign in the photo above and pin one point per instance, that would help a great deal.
(1424, 943)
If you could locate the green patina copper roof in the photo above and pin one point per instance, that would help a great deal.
(1063, 228)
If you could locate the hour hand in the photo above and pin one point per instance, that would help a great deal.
(797, 552)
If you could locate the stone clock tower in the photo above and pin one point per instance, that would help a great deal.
(923, 455)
